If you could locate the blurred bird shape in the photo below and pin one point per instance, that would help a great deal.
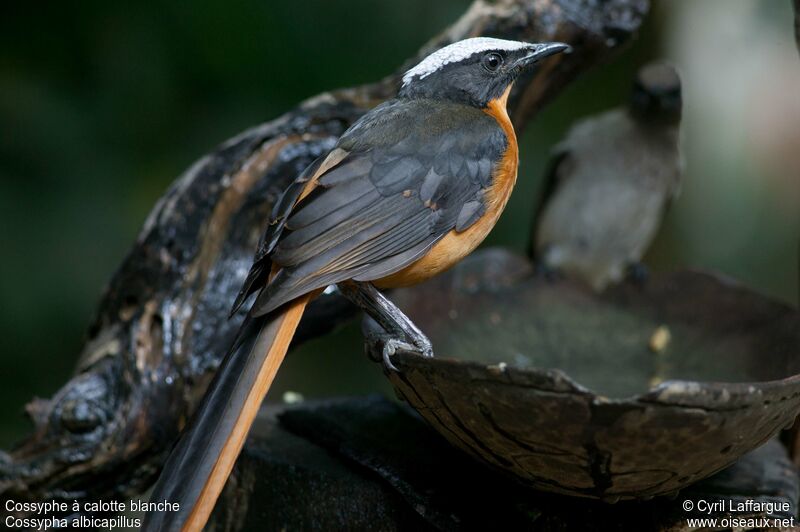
(610, 182)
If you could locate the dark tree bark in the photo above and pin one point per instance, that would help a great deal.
(161, 328)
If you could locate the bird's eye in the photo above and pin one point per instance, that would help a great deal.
(492, 61)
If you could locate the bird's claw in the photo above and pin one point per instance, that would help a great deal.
(392, 345)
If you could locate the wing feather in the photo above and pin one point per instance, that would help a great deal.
(403, 185)
(259, 271)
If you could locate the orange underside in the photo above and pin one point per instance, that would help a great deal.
(455, 246)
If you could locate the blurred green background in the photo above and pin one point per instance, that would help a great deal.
(103, 104)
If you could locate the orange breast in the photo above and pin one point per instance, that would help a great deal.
(455, 246)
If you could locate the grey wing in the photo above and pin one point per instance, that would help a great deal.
(381, 209)
(259, 272)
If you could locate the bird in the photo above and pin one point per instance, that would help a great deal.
(797, 23)
(408, 190)
(609, 184)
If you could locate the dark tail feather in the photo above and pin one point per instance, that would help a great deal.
(201, 461)
(254, 281)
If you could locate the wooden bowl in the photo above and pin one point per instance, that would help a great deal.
(634, 393)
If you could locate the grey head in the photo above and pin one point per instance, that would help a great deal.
(474, 71)
(656, 97)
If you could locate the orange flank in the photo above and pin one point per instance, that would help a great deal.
(455, 246)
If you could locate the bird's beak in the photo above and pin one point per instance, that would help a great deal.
(540, 51)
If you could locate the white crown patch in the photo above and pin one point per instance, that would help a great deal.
(458, 51)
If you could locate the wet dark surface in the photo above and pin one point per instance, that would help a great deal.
(285, 482)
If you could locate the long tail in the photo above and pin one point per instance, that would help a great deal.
(200, 463)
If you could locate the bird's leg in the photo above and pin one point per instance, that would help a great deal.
(402, 333)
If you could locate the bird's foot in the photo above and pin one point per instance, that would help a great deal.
(399, 332)
(391, 345)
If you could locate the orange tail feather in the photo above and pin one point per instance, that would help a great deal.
(200, 463)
